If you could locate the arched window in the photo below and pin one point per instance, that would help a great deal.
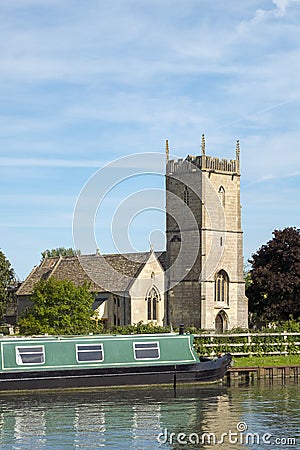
(152, 299)
(221, 322)
(221, 192)
(222, 287)
(186, 195)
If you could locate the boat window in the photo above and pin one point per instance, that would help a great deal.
(30, 355)
(146, 350)
(90, 352)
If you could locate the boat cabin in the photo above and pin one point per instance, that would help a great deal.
(102, 351)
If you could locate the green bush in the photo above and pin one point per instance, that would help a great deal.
(139, 328)
(59, 307)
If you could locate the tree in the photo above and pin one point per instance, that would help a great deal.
(60, 251)
(7, 280)
(274, 288)
(59, 307)
(247, 276)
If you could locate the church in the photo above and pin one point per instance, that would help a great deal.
(197, 281)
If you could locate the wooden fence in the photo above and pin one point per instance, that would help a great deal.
(247, 344)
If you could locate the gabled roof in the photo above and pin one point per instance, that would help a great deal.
(104, 273)
(162, 258)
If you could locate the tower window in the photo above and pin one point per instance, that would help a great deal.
(152, 299)
(186, 195)
(176, 238)
(221, 192)
(222, 287)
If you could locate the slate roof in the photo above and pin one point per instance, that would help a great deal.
(104, 273)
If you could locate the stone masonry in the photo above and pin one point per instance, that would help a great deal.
(204, 243)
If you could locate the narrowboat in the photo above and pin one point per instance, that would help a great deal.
(48, 362)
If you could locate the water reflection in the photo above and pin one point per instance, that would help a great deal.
(89, 422)
(135, 418)
(146, 422)
(29, 427)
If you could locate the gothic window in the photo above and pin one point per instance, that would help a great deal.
(222, 287)
(222, 195)
(152, 300)
(186, 195)
(221, 322)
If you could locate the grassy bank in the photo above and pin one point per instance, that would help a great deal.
(266, 361)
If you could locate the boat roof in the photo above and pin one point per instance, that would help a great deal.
(94, 336)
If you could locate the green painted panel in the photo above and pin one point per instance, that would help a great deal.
(118, 351)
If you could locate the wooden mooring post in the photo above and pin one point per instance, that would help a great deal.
(250, 373)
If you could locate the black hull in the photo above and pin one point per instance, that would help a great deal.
(205, 372)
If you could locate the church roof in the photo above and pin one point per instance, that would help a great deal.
(104, 273)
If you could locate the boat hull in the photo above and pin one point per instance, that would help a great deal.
(204, 372)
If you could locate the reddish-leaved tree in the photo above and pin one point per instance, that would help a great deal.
(274, 290)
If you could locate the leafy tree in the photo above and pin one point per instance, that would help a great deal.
(274, 288)
(7, 280)
(60, 251)
(59, 307)
(247, 276)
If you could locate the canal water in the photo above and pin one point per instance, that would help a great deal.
(263, 415)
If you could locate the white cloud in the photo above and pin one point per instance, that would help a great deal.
(282, 5)
(270, 157)
(85, 83)
(36, 199)
(280, 10)
(40, 162)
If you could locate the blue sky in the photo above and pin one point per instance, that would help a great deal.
(85, 83)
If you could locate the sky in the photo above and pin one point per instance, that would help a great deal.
(84, 84)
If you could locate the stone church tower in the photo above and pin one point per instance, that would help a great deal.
(204, 242)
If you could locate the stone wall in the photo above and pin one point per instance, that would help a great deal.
(210, 189)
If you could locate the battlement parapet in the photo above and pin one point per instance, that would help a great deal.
(205, 163)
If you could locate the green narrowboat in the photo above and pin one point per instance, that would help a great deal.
(46, 362)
